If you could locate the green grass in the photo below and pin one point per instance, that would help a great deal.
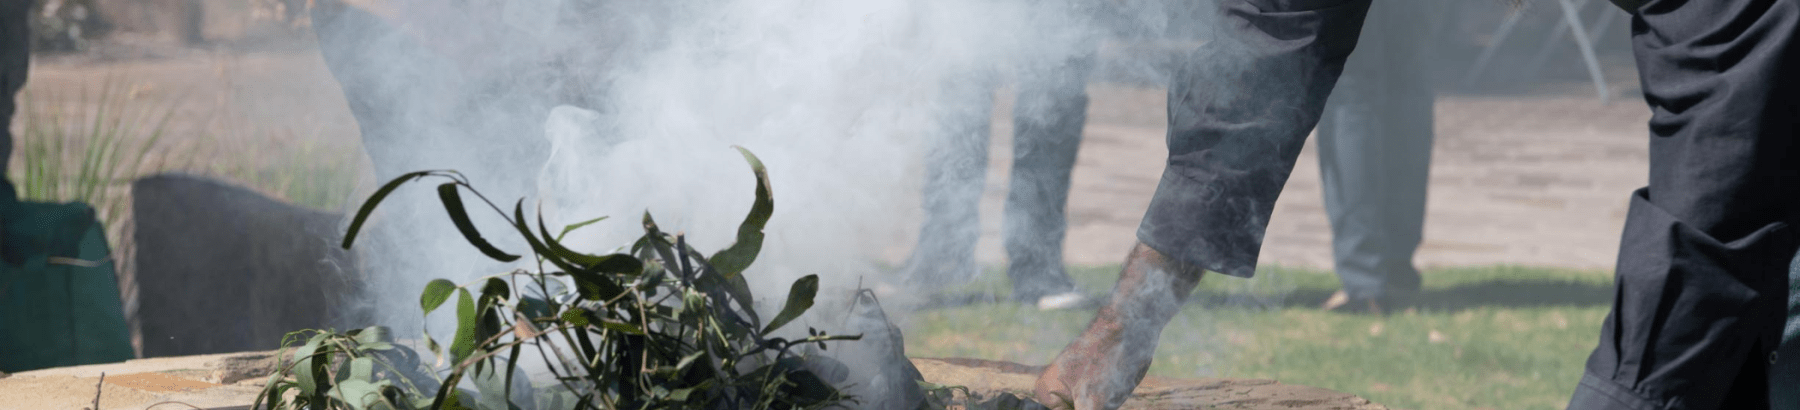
(86, 149)
(1507, 337)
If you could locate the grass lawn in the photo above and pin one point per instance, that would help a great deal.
(1501, 337)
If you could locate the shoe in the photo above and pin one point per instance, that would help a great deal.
(1392, 300)
(1341, 302)
(1061, 301)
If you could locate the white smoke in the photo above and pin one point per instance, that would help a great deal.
(634, 105)
(835, 97)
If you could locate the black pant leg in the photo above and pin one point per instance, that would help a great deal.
(1048, 118)
(15, 60)
(1701, 280)
(1239, 111)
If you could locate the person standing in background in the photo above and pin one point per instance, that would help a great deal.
(1048, 116)
(1374, 146)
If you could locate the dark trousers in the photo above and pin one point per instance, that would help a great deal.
(1239, 111)
(1374, 151)
(1701, 277)
(1784, 376)
(1048, 116)
(15, 58)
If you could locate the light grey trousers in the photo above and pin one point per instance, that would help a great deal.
(1374, 145)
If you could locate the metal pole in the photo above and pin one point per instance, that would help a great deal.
(1587, 48)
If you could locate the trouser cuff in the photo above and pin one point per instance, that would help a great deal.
(1597, 393)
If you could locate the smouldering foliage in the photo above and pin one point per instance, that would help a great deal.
(660, 327)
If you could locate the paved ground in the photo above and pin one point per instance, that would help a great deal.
(1536, 179)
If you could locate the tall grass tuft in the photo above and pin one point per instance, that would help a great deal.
(86, 149)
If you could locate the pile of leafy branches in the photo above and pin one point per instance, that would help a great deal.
(660, 327)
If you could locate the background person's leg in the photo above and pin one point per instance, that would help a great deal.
(1701, 282)
(1047, 122)
(1374, 151)
(956, 161)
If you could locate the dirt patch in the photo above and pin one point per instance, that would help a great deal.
(987, 377)
(68, 392)
(210, 381)
(158, 382)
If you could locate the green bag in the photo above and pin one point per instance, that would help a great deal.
(59, 297)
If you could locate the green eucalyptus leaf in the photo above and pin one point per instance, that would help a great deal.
(593, 286)
(658, 243)
(740, 291)
(495, 290)
(537, 245)
(436, 292)
(308, 371)
(372, 335)
(466, 328)
(559, 251)
(460, 400)
(445, 399)
(681, 395)
(492, 386)
(587, 349)
(368, 206)
(512, 366)
(618, 263)
(362, 368)
(808, 388)
(577, 317)
(518, 223)
(621, 327)
(533, 307)
(358, 393)
(689, 359)
(577, 225)
(800, 298)
(453, 205)
(735, 259)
